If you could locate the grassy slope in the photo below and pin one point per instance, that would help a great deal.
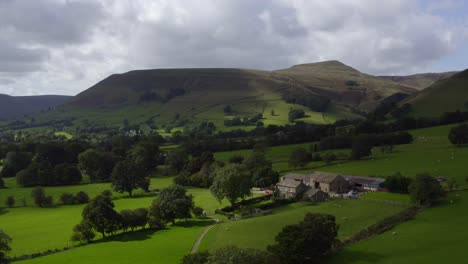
(352, 216)
(436, 235)
(443, 96)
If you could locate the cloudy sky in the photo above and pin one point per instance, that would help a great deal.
(65, 46)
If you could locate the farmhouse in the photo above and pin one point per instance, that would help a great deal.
(322, 181)
(290, 188)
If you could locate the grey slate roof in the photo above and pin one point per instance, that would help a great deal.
(325, 177)
(289, 183)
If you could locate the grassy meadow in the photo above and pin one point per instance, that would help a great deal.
(351, 215)
(436, 235)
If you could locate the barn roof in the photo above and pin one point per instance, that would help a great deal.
(289, 183)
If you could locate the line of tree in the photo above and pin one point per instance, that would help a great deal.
(99, 216)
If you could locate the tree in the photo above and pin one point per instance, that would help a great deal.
(5, 241)
(10, 201)
(83, 232)
(67, 198)
(177, 159)
(145, 155)
(127, 176)
(40, 198)
(100, 214)
(15, 161)
(66, 173)
(425, 190)
(173, 203)
(81, 197)
(155, 216)
(97, 164)
(235, 255)
(196, 258)
(361, 147)
(307, 241)
(458, 135)
(298, 158)
(295, 114)
(397, 183)
(231, 182)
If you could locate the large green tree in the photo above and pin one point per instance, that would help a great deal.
(145, 155)
(177, 159)
(128, 176)
(458, 135)
(307, 241)
(425, 189)
(100, 214)
(231, 182)
(173, 203)
(97, 164)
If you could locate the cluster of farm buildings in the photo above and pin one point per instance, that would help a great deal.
(318, 186)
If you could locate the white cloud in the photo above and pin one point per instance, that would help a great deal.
(66, 46)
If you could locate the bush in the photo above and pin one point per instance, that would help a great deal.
(67, 198)
(81, 197)
(10, 201)
(425, 190)
(198, 211)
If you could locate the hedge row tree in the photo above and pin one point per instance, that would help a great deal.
(128, 176)
(100, 214)
(425, 190)
(14, 162)
(132, 219)
(306, 242)
(79, 198)
(83, 232)
(231, 255)
(40, 199)
(5, 241)
(231, 182)
(295, 114)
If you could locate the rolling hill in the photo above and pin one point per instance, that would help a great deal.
(19, 106)
(420, 81)
(326, 91)
(443, 96)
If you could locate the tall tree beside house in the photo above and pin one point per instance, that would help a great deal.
(425, 190)
(128, 176)
(306, 242)
(231, 182)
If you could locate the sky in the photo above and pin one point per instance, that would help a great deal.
(66, 46)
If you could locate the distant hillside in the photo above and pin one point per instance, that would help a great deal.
(326, 91)
(443, 96)
(344, 84)
(19, 106)
(420, 81)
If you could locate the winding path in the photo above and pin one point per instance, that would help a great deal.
(200, 238)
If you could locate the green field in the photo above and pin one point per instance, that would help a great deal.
(351, 215)
(436, 235)
(167, 246)
(431, 152)
(92, 190)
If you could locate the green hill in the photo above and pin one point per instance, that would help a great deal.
(443, 96)
(18, 106)
(420, 81)
(326, 91)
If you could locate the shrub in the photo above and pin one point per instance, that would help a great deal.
(67, 198)
(81, 197)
